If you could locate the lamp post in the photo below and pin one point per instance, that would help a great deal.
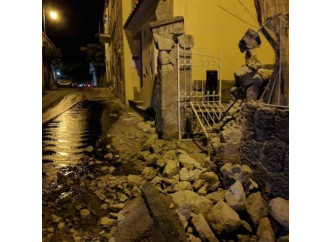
(53, 15)
(44, 18)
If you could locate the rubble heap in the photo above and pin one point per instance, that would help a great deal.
(101, 201)
(252, 76)
(210, 203)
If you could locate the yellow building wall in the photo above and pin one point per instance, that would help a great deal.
(132, 79)
(215, 31)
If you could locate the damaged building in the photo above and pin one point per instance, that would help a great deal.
(142, 39)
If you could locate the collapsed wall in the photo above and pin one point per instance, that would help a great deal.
(258, 136)
(169, 36)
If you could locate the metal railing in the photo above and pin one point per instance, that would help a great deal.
(196, 102)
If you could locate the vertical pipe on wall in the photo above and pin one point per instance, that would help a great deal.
(178, 94)
(280, 66)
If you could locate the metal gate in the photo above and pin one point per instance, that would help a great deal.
(199, 100)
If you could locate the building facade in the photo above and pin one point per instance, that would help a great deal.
(144, 37)
(49, 63)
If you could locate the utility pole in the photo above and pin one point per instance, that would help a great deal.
(44, 18)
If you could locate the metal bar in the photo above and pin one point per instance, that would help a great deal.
(280, 67)
(185, 88)
(207, 111)
(272, 90)
(220, 80)
(195, 53)
(204, 116)
(199, 120)
(200, 95)
(193, 65)
(214, 111)
(178, 73)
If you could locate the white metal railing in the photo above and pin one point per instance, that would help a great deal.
(194, 95)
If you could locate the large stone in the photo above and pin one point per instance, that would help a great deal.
(164, 218)
(188, 162)
(235, 196)
(171, 168)
(165, 44)
(265, 232)
(203, 228)
(256, 207)
(149, 173)
(189, 175)
(137, 221)
(223, 218)
(216, 196)
(246, 173)
(279, 210)
(231, 135)
(135, 180)
(183, 185)
(212, 181)
(170, 155)
(237, 172)
(265, 74)
(138, 225)
(177, 28)
(149, 142)
(198, 184)
(161, 162)
(226, 169)
(198, 204)
(250, 40)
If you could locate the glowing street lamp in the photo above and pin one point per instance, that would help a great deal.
(53, 15)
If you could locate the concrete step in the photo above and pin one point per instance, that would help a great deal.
(141, 107)
(135, 102)
(138, 106)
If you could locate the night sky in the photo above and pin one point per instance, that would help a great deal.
(77, 25)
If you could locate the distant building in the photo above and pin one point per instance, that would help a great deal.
(49, 65)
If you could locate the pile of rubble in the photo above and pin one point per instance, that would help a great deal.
(211, 205)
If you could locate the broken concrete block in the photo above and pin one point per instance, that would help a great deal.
(250, 40)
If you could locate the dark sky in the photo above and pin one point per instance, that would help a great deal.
(77, 25)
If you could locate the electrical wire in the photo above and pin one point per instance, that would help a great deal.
(238, 17)
(254, 18)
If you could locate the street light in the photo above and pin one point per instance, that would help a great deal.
(53, 15)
